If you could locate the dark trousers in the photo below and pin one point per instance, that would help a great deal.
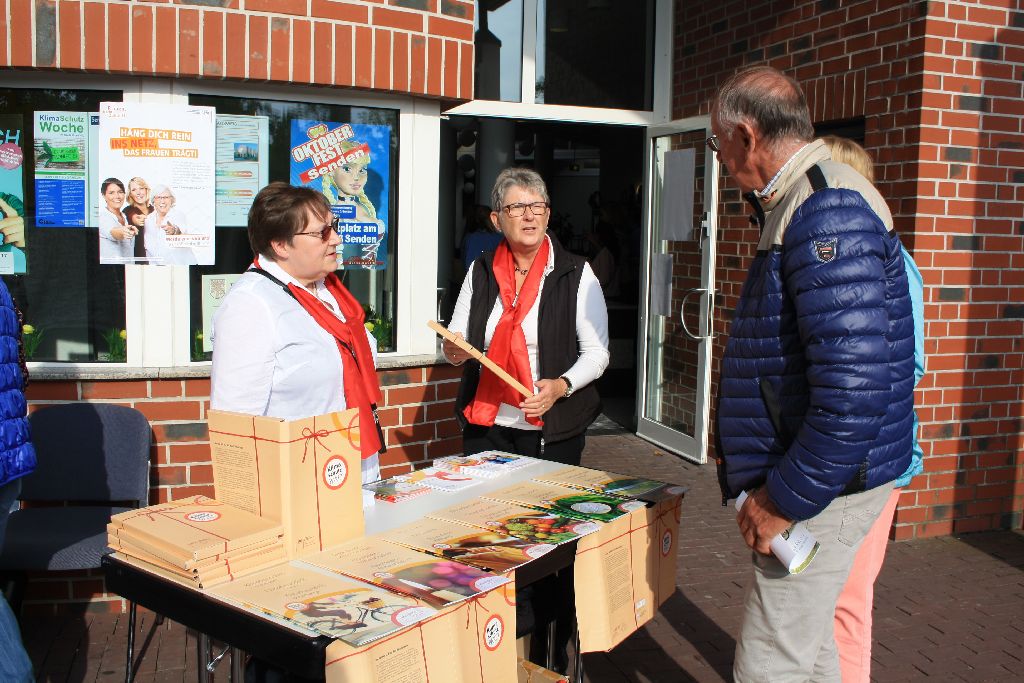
(552, 599)
(476, 438)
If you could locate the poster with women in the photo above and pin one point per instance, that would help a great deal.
(156, 170)
(12, 195)
(350, 164)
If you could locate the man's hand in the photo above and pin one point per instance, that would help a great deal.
(760, 521)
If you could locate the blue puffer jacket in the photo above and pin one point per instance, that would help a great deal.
(17, 456)
(816, 393)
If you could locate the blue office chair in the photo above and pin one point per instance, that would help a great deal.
(93, 462)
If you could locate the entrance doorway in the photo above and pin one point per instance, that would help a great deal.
(594, 174)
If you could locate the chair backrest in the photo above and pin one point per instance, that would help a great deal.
(92, 452)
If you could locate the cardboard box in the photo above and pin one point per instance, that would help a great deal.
(534, 673)
(624, 572)
(304, 474)
(469, 642)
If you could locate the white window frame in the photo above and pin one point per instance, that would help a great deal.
(157, 298)
(527, 108)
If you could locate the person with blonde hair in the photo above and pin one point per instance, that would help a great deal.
(347, 184)
(853, 608)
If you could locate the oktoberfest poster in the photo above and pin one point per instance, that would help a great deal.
(156, 170)
(348, 163)
(12, 195)
(60, 141)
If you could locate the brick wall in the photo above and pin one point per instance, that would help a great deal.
(938, 86)
(418, 47)
(416, 414)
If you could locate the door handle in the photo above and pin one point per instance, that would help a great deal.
(711, 306)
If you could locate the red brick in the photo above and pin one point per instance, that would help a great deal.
(466, 72)
(175, 433)
(188, 41)
(340, 11)
(213, 44)
(323, 48)
(447, 390)
(414, 414)
(389, 417)
(400, 62)
(439, 449)
(180, 492)
(197, 387)
(52, 391)
(125, 389)
(448, 429)
(401, 455)
(165, 61)
(443, 372)
(443, 410)
(450, 79)
(449, 28)
(418, 65)
(363, 57)
(142, 40)
(170, 410)
(234, 42)
(382, 59)
(188, 453)
(407, 395)
(4, 35)
(301, 42)
(413, 433)
(343, 74)
(119, 23)
(297, 7)
(406, 21)
(200, 474)
(168, 475)
(279, 49)
(88, 589)
(69, 18)
(21, 36)
(435, 66)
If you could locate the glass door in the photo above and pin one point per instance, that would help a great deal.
(674, 349)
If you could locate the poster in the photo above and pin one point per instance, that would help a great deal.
(242, 165)
(12, 195)
(60, 142)
(677, 196)
(215, 288)
(350, 164)
(157, 168)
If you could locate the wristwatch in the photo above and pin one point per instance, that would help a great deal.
(568, 386)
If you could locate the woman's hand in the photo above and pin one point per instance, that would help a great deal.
(171, 229)
(12, 225)
(548, 391)
(124, 233)
(455, 354)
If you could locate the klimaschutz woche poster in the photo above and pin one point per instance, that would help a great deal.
(156, 165)
(350, 164)
(61, 145)
(12, 195)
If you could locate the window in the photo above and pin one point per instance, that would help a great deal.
(498, 44)
(288, 124)
(74, 305)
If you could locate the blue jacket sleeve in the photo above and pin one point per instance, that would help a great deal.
(833, 265)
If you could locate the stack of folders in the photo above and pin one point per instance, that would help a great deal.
(486, 465)
(197, 541)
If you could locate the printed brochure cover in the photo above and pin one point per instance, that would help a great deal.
(609, 482)
(576, 503)
(536, 526)
(481, 548)
(439, 480)
(336, 606)
(434, 580)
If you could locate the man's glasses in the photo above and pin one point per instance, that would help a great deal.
(325, 232)
(712, 143)
(517, 210)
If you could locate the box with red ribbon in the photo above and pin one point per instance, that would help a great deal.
(304, 474)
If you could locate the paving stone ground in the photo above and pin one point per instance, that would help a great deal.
(946, 609)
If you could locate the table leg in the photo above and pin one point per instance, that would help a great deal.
(204, 656)
(237, 665)
(577, 667)
(549, 661)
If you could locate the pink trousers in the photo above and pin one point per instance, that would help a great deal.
(853, 609)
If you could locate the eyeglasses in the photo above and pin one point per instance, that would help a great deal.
(712, 143)
(324, 233)
(517, 210)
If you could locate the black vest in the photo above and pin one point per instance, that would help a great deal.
(557, 345)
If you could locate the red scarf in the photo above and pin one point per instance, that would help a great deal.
(508, 345)
(362, 390)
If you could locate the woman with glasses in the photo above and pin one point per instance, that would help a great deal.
(539, 313)
(163, 221)
(289, 339)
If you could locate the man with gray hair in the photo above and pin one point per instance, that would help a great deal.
(816, 393)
